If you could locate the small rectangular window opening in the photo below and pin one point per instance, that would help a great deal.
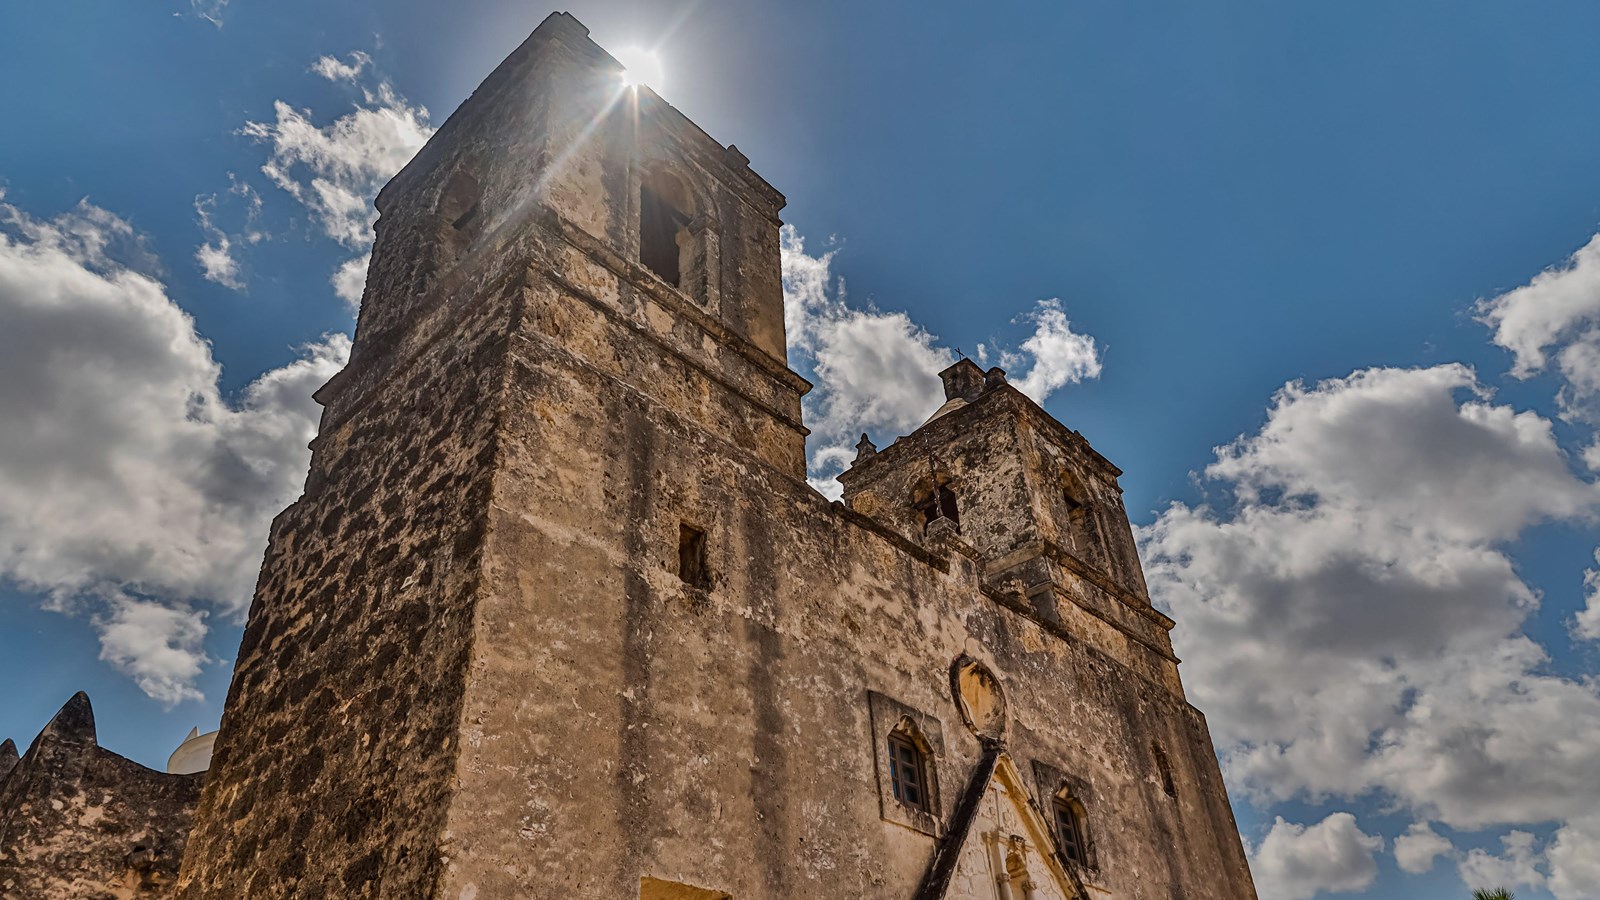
(692, 568)
(1069, 833)
(1164, 766)
(906, 776)
(466, 218)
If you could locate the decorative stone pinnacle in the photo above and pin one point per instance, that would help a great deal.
(865, 449)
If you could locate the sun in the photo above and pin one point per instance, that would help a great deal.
(642, 66)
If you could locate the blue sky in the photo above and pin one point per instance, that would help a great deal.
(1380, 581)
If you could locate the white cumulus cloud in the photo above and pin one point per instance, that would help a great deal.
(1573, 860)
(877, 371)
(126, 477)
(350, 279)
(215, 258)
(1586, 624)
(1351, 617)
(1416, 850)
(332, 69)
(1517, 866)
(336, 169)
(1557, 312)
(1555, 304)
(1054, 355)
(1297, 862)
(158, 645)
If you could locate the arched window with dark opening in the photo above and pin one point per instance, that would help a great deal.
(939, 503)
(908, 769)
(665, 211)
(1072, 831)
(1081, 528)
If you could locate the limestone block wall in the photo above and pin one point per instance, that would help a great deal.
(557, 615)
(332, 771)
(620, 724)
(79, 822)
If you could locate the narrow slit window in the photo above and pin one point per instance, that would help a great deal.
(908, 771)
(1164, 768)
(692, 568)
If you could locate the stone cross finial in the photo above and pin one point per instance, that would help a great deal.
(865, 448)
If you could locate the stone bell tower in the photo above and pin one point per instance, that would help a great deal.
(559, 616)
(1040, 508)
(574, 310)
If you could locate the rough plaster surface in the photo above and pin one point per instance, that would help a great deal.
(78, 822)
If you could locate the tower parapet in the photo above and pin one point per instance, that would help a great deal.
(556, 170)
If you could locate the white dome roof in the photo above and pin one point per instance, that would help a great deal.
(193, 755)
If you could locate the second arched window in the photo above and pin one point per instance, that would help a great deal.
(908, 771)
(1072, 834)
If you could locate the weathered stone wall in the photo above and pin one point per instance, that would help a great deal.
(622, 724)
(472, 669)
(331, 774)
(1010, 468)
(78, 822)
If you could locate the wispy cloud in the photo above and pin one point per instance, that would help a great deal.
(335, 170)
(210, 10)
(216, 257)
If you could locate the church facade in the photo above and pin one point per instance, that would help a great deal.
(558, 614)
